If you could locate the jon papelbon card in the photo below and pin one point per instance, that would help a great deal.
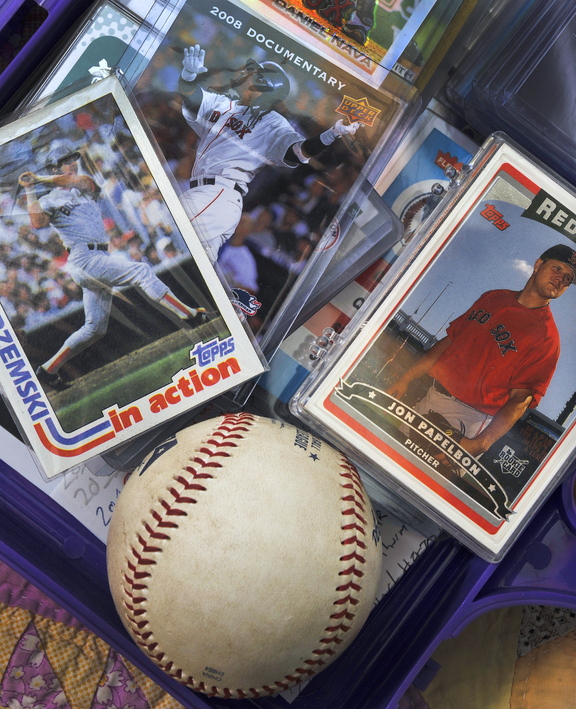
(101, 335)
(459, 389)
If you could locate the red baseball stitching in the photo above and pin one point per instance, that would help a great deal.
(182, 492)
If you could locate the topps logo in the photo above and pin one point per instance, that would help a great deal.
(493, 215)
(549, 211)
(208, 352)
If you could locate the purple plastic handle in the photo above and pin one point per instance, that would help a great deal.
(21, 70)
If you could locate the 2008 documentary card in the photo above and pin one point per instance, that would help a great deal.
(101, 339)
(269, 142)
(458, 390)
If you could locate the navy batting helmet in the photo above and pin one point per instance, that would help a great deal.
(58, 154)
(271, 79)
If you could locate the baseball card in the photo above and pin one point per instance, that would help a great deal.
(113, 319)
(458, 389)
(376, 36)
(268, 142)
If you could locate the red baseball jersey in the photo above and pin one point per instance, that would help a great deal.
(496, 346)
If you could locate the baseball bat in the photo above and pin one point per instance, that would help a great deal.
(41, 178)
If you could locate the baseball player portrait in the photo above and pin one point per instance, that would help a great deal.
(236, 138)
(497, 358)
(71, 207)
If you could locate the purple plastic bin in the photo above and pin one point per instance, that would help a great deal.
(441, 593)
(540, 569)
(446, 589)
(29, 31)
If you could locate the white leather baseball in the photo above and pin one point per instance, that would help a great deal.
(243, 558)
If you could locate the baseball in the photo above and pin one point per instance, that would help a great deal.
(243, 556)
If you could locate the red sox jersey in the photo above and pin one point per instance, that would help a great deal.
(75, 215)
(233, 146)
(496, 346)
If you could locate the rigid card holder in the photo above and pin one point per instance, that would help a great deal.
(102, 339)
(526, 89)
(366, 230)
(493, 29)
(455, 387)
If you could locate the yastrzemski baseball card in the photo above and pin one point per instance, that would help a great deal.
(461, 387)
(112, 317)
(266, 139)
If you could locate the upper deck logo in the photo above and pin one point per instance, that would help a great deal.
(358, 110)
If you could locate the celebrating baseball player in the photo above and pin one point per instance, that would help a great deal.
(71, 207)
(237, 137)
(498, 358)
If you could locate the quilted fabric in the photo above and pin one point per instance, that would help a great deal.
(509, 658)
(48, 660)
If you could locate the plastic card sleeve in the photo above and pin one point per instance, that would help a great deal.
(410, 184)
(493, 30)
(102, 339)
(455, 389)
(103, 36)
(536, 32)
(374, 229)
(283, 213)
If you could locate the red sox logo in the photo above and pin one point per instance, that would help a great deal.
(235, 124)
(501, 335)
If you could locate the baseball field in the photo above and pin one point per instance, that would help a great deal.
(130, 377)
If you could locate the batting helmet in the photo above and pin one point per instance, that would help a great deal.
(58, 154)
(271, 79)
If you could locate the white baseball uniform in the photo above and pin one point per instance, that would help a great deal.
(77, 218)
(232, 148)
